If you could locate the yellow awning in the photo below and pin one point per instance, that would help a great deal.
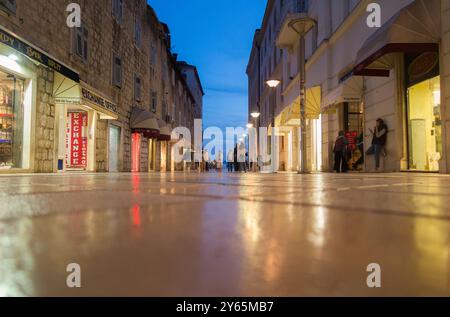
(291, 115)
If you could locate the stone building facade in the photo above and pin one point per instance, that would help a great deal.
(90, 79)
(356, 74)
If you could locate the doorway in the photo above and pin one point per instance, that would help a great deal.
(425, 126)
(114, 149)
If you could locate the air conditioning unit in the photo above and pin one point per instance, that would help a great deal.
(9, 6)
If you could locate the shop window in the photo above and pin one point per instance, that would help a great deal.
(9, 6)
(80, 45)
(353, 117)
(425, 125)
(11, 121)
(118, 10)
(117, 71)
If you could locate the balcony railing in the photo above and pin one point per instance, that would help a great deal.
(293, 7)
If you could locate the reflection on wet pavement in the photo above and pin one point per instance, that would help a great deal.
(224, 235)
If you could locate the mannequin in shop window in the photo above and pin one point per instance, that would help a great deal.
(379, 138)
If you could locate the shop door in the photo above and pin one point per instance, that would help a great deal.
(424, 126)
(77, 140)
(114, 147)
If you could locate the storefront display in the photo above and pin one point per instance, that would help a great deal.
(425, 127)
(11, 121)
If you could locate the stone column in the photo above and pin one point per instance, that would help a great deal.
(445, 85)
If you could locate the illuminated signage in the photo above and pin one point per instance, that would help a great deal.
(36, 55)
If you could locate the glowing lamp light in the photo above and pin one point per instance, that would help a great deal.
(273, 83)
(249, 125)
(255, 115)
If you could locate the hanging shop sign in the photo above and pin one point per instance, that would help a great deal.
(426, 65)
(77, 140)
(34, 54)
(98, 101)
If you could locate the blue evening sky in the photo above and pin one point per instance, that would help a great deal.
(216, 36)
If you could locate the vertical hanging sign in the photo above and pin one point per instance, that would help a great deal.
(77, 140)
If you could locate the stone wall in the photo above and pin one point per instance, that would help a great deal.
(101, 146)
(45, 122)
(144, 155)
(42, 23)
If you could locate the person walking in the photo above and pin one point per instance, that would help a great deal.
(206, 159)
(242, 160)
(236, 163)
(379, 139)
(340, 153)
(230, 161)
(219, 162)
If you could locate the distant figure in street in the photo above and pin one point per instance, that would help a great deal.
(236, 162)
(230, 161)
(379, 138)
(206, 159)
(219, 161)
(242, 158)
(340, 153)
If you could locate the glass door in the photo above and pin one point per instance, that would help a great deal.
(114, 148)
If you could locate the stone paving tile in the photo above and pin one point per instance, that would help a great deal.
(224, 235)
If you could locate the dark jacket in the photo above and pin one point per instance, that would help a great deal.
(340, 144)
(380, 137)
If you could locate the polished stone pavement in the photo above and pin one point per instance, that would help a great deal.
(224, 234)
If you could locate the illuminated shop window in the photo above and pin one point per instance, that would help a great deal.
(11, 121)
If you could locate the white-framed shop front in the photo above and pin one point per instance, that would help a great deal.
(18, 86)
(19, 62)
(78, 109)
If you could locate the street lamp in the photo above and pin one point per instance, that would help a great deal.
(273, 83)
(255, 114)
(302, 26)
